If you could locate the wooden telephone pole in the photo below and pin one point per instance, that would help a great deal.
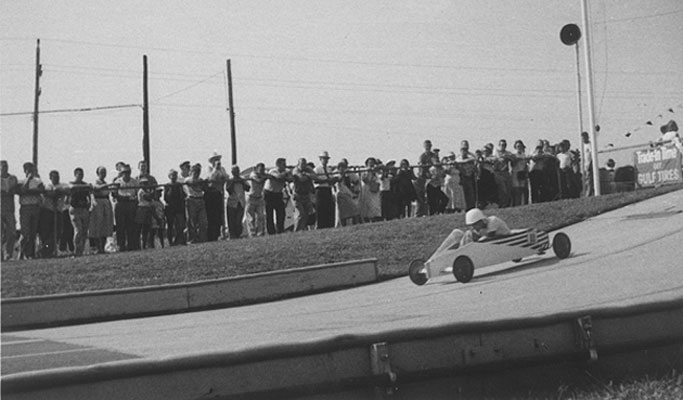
(39, 72)
(233, 134)
(145, 115)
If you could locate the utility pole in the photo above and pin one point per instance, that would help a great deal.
(231, 109)
(145, 114)
(39, 72)
(591, 113)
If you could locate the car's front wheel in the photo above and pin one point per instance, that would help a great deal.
(562, 246)
(463, 269)
(416, 273)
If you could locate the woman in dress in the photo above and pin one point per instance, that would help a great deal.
(102, 213)
(370, 202)
(452, 186)
(348, 190)
(520, 175)
(405, 189)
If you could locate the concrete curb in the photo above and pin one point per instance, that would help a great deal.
(63, 309)
(366, 362)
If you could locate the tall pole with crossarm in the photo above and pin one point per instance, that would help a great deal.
(39, 72)
(231, 110)
(145, 115)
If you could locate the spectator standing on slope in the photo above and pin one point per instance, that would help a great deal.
(273, 194)
(10, 186)
(303, 177)
(174, 196)
(125, 209)
(466, 163)
(197, 224)
(405, 189)
(520, 175)
(80, 210)
(30, 199)
(256, 205)
(348, 191)
(324, 198)
(214, 195)
(370, 202)
(51, 214)
(102, 214)
(237, 202)
(501, 173)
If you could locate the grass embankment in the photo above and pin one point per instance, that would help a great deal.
(393, 243)
(669, 387)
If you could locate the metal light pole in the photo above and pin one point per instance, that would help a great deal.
(570, 35)
(591, 113)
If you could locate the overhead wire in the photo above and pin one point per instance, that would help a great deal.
(629, 19)
(72, 110)
(195, 84)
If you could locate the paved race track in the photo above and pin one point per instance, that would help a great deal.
(629, 256)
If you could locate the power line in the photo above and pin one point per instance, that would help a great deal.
(639, 17)
(189, 86)
(72, 110)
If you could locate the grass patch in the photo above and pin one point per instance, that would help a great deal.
(393, 243)
(669, 387)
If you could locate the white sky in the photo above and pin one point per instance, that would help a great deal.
(358, 78)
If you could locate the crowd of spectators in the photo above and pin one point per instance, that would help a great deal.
(132, 213)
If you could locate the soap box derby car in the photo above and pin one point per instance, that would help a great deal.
(462, 260)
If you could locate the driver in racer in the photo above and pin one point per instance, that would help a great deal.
(483, 227)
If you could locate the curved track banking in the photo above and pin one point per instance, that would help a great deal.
(626, 257)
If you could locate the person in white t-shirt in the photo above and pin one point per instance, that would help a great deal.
(670, 134)
(483, 227)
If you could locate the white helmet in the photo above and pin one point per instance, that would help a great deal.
(473, 216)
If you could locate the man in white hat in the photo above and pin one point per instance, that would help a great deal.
(324, 199)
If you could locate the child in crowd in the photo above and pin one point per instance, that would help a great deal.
(159, 214)
(144, 214)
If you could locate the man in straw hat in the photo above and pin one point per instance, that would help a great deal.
(214, 195)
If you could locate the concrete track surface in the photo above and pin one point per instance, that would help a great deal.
(625, 258)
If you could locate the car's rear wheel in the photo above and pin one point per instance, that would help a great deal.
(416, 273)
(463, 269)
(562, 246)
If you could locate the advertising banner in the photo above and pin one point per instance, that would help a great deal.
(657, 166)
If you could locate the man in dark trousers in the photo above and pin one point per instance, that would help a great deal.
(174, 196)
(324, 199)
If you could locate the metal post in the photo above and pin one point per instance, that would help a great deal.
(591, 115)
(580, 108)
(39, 72)
(145, 115)
(233, 134)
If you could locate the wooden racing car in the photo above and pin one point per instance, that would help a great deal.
(462, 260)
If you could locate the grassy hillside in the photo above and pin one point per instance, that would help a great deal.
(393, 243)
